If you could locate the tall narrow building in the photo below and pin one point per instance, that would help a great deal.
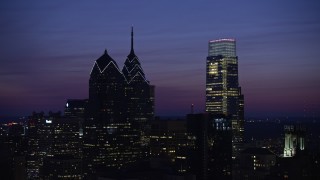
(120, 106)
(223, 94)
(139, 95)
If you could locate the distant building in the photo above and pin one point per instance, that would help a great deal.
(50, 136)
(223, 94)
(303, 165)
(39, 143)
(255, 163)
(76, 108)
(294, 139)
(13, 151)
(168, 140)
(62, 167)
(210, 156)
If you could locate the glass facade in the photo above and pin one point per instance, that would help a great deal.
(222, 47)
(223, 94)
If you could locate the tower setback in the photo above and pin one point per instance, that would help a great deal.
(223, 94)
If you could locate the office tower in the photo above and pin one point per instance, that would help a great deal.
(197, 158)
(139, 96)
(294, 139)
(12, 145)
(209, 156)
(119, 108)
(39, 143)
(65, 140)
(76, 108)
(255, 163)
(105, 137)
(64, 160)
(49, 138)
(168, 141)
(223, 94)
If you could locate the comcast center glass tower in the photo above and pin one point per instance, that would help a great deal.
(223, 94)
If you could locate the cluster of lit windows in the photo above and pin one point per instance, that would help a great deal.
(223, 48)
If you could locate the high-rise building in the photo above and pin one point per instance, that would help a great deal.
(223, 94)
(168, 140)
(39, 143)
(48, 137)
(209, 156)
(119, 107)
(139, 96)
(77, 108)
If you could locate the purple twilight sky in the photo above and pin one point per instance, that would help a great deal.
(48, 48)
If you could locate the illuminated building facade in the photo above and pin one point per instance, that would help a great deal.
(294, 139)
(223, 94)
(119, 108)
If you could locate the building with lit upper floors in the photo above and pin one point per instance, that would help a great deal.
(223, 94)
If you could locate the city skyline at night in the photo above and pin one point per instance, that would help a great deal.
(46, 47)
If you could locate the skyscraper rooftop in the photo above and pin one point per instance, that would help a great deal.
(222, 47)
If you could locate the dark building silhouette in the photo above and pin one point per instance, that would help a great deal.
(62, 167)
(51, 136)
(139, 96)
(223, 94)
(198, 150)
(39, 143)
(169, 141)
(13, 151)
(209, 157)
(120, 105)
(254, 163)
(76, 108)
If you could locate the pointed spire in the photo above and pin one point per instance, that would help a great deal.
(105, 51)
(132, 51)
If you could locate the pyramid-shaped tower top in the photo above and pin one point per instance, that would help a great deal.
(103, 62)
(132, 67)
